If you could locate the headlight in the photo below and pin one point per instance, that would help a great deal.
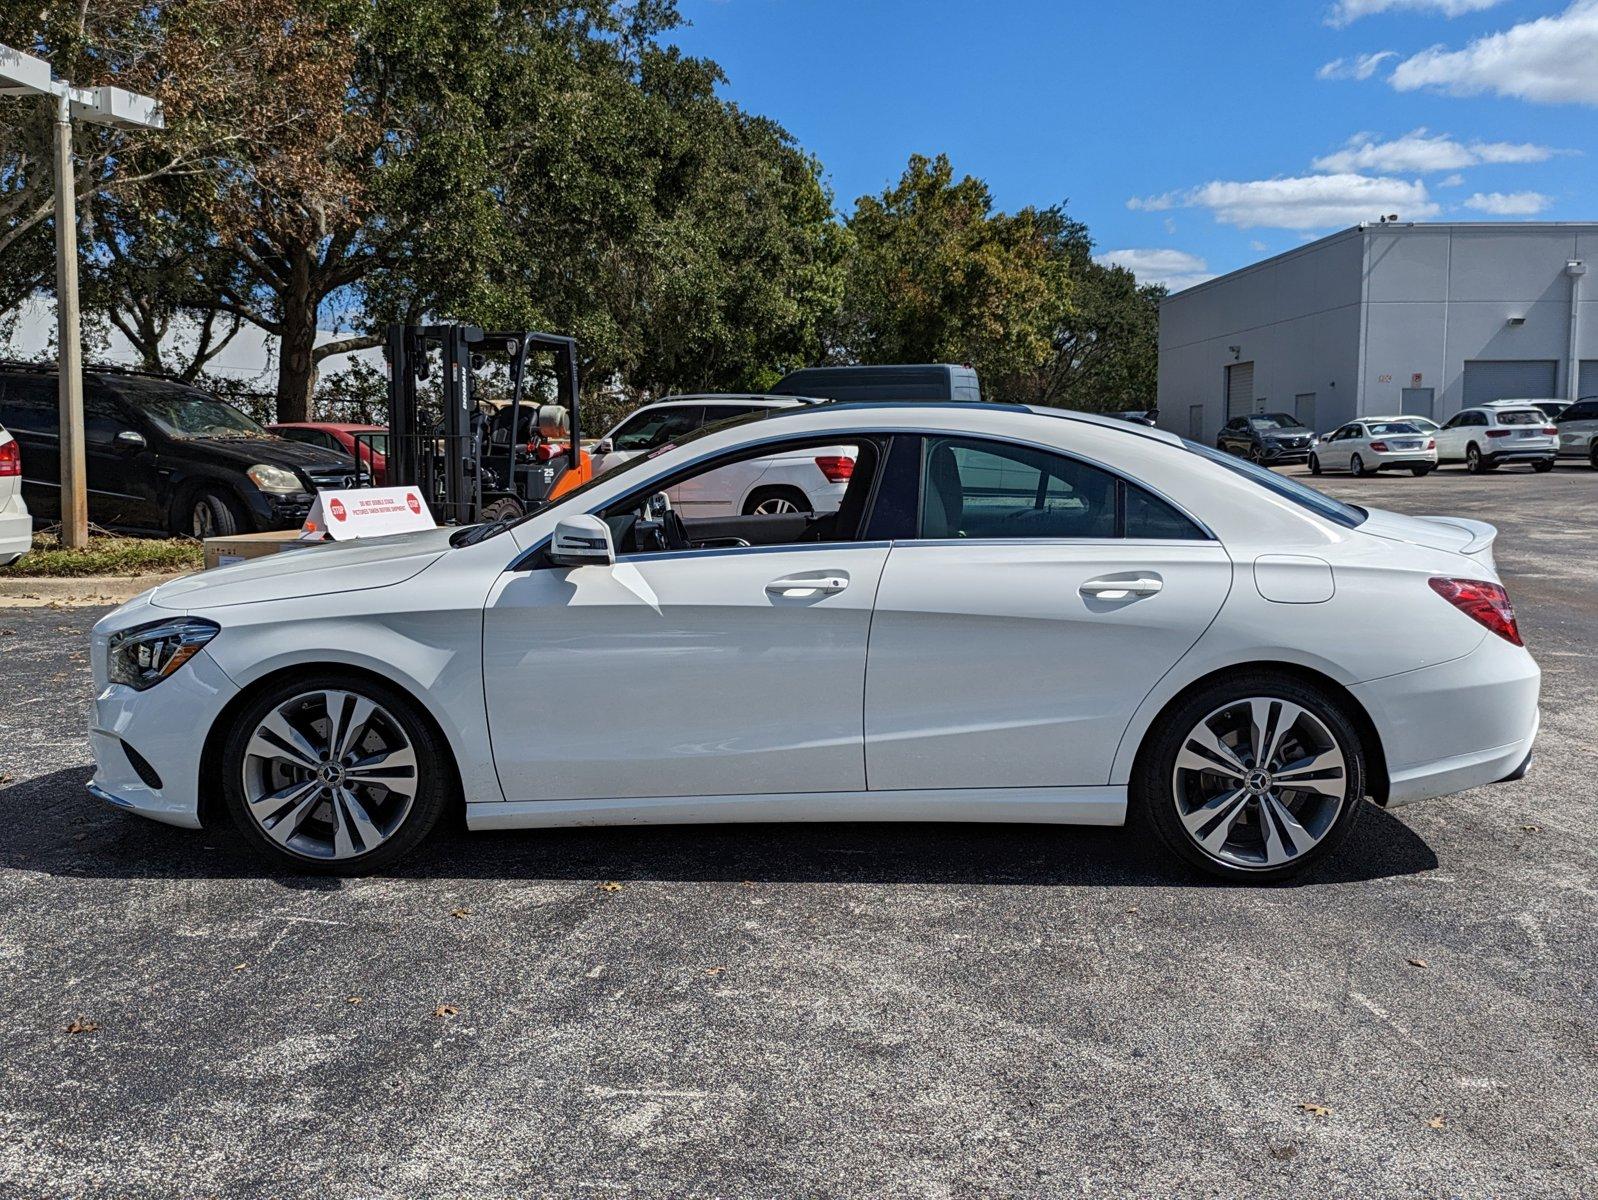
(274, 479)
(143, 656)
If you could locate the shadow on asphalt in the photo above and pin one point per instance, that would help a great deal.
(52, 825)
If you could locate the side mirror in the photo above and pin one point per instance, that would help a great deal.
(582, 541)
(603, 446)
(130, 439)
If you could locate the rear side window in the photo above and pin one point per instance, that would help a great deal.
(972, 488)
(653, 428)
(29, 403)
(1318, 503)
(723, 412)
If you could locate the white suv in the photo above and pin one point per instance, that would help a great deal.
(16, 526)
(1491, 435)
(812, 481)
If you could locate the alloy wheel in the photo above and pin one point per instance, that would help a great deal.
(776, 504)
(1259, 782)
(203, 519)
(329, 775)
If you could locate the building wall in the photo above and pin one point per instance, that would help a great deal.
(1295, 316)
(1441, 295)
(1358, 317)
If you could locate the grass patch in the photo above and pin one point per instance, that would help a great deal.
(107, 555)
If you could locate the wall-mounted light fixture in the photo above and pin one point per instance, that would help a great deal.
(1237, 351)
(1516, 321)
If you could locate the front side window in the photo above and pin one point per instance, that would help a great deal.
(972, 488)
(653, 428)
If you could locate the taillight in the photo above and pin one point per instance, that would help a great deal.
(1379, 447)
(1498, 432)
(1431, 443)
(1486, 603)
(838, 468)
(10, 459)
(1551, 430)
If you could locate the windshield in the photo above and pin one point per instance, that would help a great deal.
(192, 414)
(1318, 503)
(655, 427)
(1389, 428)
(378, 442)
(1275, 421)
(1521, 416)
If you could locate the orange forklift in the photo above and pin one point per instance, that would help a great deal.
(471, 459)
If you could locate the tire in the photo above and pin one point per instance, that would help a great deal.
(208, 513)
(1256, 456)
(1592, 455)
(498, 510)
(1543, 465)
(1420, 472)
(777, 500)
(1210, 818)
(1475, 462)
(1314, 465)
(278, 767)
(1357, 466)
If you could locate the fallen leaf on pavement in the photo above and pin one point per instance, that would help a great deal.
(714, 970)
(460, 913)
(1315, 1110)
(610, 885)
(1417, 962)
(1438, 1122)
(352, 999)
(445, 1010)
(1531, 828)
(242, 967)
(79, 1025)
(1283, 1153)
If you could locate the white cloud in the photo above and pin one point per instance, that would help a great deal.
(1258, 246)
(1453, 180)
(1421, 151)
(1549, 60)
(1153, 203)
(1307, 201)
(1346, 11)
(1361, 66)
(1509, 204)
(1176, 269)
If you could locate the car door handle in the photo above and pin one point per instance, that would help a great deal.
(1121, 589)
(814, 585)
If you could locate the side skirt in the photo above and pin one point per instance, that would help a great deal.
(1047, 806)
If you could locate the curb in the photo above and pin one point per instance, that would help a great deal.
(83, 591)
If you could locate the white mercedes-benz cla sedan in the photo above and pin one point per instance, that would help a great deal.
(1014, 615)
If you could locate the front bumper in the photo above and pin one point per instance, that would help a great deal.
(1457, 725)
(165, 726)
(279, 510)
(1284, 454)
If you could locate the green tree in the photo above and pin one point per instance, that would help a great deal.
(935, 275)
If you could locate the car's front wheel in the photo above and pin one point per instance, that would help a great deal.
(208, 513)
(1252, 778)
(334, 773)
(1314, 465)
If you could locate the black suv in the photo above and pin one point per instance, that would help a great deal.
(1267, 438)
(164, 455)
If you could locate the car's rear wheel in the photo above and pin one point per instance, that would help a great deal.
(1252, 778)
(776, 501)
(209, 513)
(1314, 465)
(1543, 464)
(1423, 469)
(1357, 465)
(334, 773)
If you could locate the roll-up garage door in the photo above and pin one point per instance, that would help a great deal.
(1510, 379)
(1588, 383)
(1239, 390)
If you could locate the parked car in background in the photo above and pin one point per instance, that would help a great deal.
(16, 524)
(1015, 615)
(162, 455)
(331, 435)
(1424, 424)
(1368, 446)
(1549, 408)
(1578, 431)
(1270, 439)
(1489, 436)
(1138, 416)
(812, 482)
(892, 381)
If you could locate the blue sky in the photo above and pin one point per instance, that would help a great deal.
(1192, 137)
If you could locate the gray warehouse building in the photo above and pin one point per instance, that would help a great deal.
(1385, 318)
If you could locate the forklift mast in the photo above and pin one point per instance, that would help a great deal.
(451, 457)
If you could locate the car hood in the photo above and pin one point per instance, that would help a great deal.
(1458, 535)
(279, 452)
(311, 570)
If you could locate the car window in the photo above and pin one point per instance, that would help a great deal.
(973, 488)
(1391, 428)
(652, 428)
(1584, 410)
(1322, 505)
(1522, 416)
(723, 412)
(1266, 422)
(29, 403)
(185, 414)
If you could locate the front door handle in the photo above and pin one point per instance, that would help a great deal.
(804, 586)
(1121, 589)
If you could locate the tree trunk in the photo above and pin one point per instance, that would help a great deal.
(296, 368)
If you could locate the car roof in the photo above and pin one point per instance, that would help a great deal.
(906, 408)
(347, 426)
(757, 399)
(1522, 403)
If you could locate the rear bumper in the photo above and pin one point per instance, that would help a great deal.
(1530, 454)
(16, 531)
(1405, 458)
(1458, 725)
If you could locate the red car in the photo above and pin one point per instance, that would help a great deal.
(334, 436)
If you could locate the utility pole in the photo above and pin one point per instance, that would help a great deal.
(25, 75)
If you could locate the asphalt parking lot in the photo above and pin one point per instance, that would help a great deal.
(920, 1011)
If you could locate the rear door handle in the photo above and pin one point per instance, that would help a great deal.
(814, 585)
(1121, 589)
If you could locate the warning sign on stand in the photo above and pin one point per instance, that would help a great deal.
(365, 512)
